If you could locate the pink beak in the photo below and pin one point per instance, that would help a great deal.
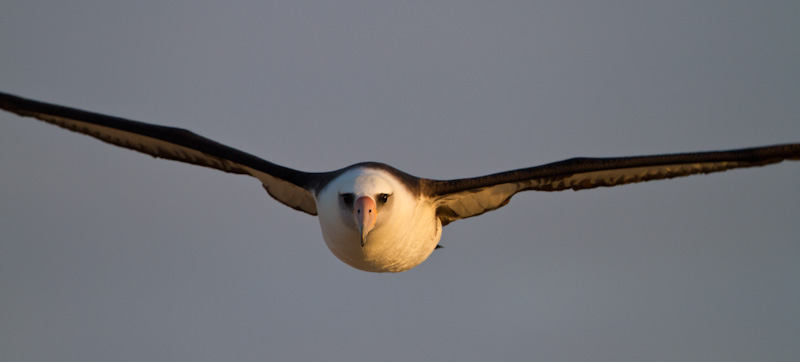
(365, 212)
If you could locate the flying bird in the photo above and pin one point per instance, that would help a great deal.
(375, 217)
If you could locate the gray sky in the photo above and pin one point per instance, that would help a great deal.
(109, 255)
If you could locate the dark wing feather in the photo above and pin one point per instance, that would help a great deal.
(458, 199)
(291, 187)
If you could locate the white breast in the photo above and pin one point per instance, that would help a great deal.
(405, 234)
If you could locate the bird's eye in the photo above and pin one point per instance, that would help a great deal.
(347, 199)
(383, 198)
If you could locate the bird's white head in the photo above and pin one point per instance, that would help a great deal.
(368, 219)
(367, 195)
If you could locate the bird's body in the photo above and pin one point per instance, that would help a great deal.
(372, 216)
(406, 231)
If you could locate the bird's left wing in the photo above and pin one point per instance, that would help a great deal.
(291, 187)
(462, 198)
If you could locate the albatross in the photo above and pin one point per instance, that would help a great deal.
(375, 217)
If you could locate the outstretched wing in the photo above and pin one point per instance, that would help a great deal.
(462, 198)
(291, 187)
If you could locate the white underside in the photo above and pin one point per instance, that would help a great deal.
(405, 234)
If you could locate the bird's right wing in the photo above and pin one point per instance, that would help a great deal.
(291, 187)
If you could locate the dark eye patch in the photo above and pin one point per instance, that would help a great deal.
(347, 199)
(383, 198)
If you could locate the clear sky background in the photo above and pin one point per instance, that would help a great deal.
(109, 255)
